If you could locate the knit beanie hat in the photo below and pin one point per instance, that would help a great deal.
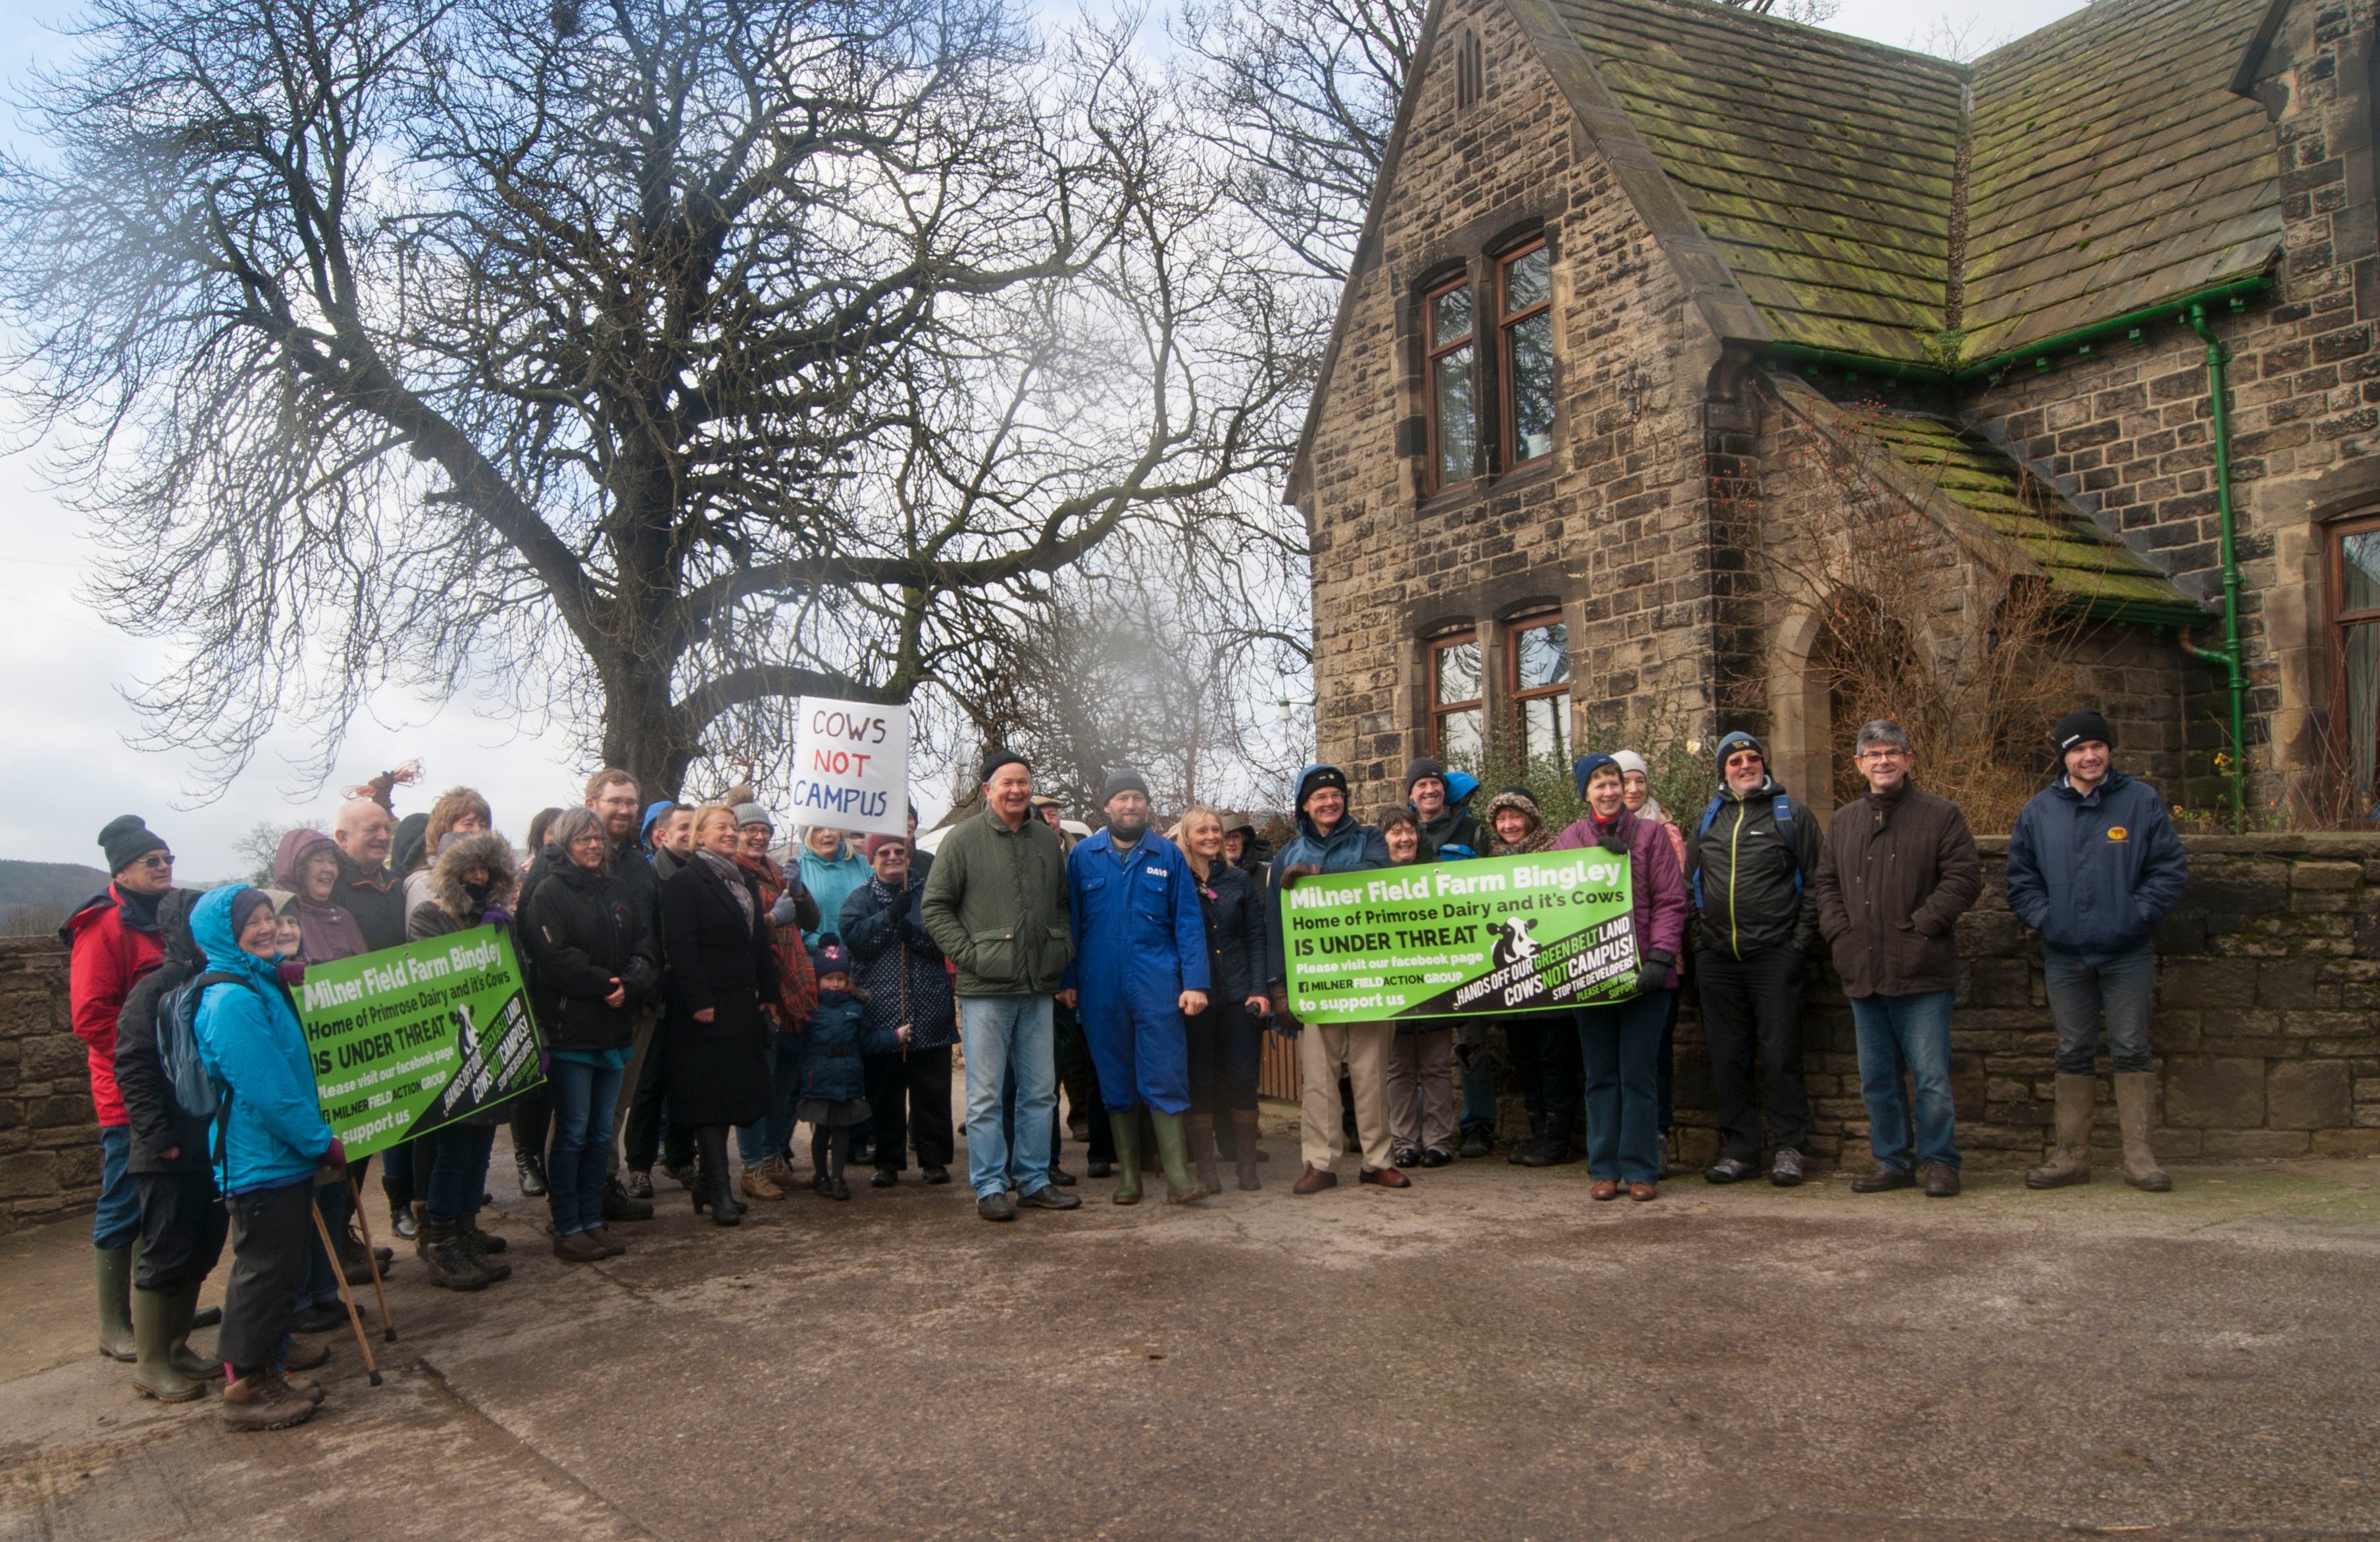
(752, 814)
(1122, 780)
(994, 759)
(875, 844)
(126, 840)
(1730, 743)
(2082, 727)
(829, 958)
(1629, 761)
(1583, 770)
(1421, 765)
(1314, 779)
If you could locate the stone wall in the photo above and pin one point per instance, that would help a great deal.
(49, 1140)
(2266, 1034)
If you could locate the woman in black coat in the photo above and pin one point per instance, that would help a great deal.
(716, 940)
(594, 969)
(1227, 1039)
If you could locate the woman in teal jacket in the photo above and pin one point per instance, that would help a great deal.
(273, 1139)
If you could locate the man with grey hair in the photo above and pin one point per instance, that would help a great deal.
(1898, 869)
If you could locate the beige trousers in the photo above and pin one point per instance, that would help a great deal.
(1421, 1090)
(1362, 1048)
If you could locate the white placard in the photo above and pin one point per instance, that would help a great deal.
(851, 765)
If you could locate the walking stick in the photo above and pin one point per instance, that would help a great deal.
(387, 1329)
(354, 1319)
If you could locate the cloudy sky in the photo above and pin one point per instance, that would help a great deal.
(67, 765)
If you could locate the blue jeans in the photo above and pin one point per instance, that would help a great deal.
(994, 1032)
(2124, 986)
(583, 1098)
(118, 1221)
(1008, 1115)
(1477, 1071)
(1619, 1045)
(1908, 1034)
(772, 1136)
(459, 1170)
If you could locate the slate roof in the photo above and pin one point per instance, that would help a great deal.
(2108, 166)
(1963, 478)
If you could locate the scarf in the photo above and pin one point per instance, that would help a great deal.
(731, 875)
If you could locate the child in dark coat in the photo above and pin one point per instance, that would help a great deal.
(834, 1087)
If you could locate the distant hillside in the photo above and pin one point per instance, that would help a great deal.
(47, 883)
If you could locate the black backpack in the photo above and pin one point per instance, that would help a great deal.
(177, 1046)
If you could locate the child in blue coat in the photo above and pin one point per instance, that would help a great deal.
(833, 1085)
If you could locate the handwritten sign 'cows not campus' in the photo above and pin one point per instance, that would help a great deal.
(851, 765)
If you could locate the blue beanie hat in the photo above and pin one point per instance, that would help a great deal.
(1583, 770)
(1730, 743)
(653, 811)
(828, 958)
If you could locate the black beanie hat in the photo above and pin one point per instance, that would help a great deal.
(2080, 725)
(126, 840)
(1421, 765)
(1122, 780)
(995, 759)
(1316, 779)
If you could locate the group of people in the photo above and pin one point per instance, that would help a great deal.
(687, 987)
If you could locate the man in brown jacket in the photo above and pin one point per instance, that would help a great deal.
(1900, 868)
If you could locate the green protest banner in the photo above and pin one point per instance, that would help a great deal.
(1457, 939)
(407, 1039)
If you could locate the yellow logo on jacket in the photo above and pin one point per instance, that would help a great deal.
(2118, 832)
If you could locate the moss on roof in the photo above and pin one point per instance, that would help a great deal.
(2088, 570)
(2109, 168)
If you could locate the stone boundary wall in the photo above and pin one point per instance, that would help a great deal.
(49, 1138)
(2266, 1034)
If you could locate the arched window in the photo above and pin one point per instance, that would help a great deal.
(1524, 333)
(1457, 698)
(1453, 387)
(1538, 665)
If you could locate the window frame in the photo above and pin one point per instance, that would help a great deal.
(1508, 443)
(1441, 711)
(1515, 692)
(2339, 620)
(1433, 350)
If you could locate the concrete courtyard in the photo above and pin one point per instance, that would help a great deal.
(1487, 1355)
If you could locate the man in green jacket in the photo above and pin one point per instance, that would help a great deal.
(995, 904)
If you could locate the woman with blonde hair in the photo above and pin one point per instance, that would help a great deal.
(719, 950)
(1225, 1041)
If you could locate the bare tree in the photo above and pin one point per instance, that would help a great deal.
(648, 361)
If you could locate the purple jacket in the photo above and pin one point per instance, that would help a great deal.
(1658, 887)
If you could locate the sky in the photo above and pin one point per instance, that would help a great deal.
(67, 763)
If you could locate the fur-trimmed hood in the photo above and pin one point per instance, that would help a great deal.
(446, 891)
(1538, 839)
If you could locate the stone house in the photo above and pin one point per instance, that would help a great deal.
(1675, 331)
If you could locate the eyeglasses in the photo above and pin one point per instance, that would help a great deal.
(158, 860)
(1882, 753)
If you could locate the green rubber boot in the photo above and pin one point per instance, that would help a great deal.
(114, 1274)
(1173, 1152)
(155, 1313)
(1126, 1127)
(189, 1362)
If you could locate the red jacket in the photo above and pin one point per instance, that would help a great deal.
(107, 956)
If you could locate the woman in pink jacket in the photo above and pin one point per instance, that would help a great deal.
(1621, 1041)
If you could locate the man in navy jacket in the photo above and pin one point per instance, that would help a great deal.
(2092, 865)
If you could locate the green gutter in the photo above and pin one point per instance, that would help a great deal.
(2231, 658)
(2190, 311)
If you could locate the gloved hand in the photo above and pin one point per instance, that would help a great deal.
(336, 1156)
(495, 918)
(1653, 973)
(781, 913)
(1612, 842)
(292, 971)
(1283, 1020)
(1295, 870)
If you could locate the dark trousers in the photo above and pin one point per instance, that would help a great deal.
(271, 1236)
(458, 1172)
(1544, 1057)
(649, 1133)
(909, 1101)
(532, 1123)
(320, 1286)
(182, 1227)
(1751, 1015)
(1080, 1079)
(1617, 1044)
(396, 1177)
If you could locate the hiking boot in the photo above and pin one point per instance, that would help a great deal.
(1519, 1155)
(531, 1173)
(580, 1248)
(938, 1174)
(2136, 1091)
(404, 1223)
(355, 1260)
(1551, 1152)
(447, 1260)
(780, 1172)
(1049, 1196)
(2070, 1162)
(481, 1245)
(1475, 1143)
(304, 1357)
(1785, 1168)
(755, 1184)
(265, 1401)
(681, 1174)
(640, 1184)
(1728, 1169)
(1314, 1179)
(996, 1206)
(619, 1205)
(323, 1317)
(1885, 1177)
(156, 1316)
(1941, 1181)
(884, 1178)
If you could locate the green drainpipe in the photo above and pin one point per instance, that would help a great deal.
(2230, 658)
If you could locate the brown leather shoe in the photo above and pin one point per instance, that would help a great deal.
(1387, 1177)
(1882, 1177)
(1642, 1192)
(1941, 1179)
(578, 1248)
(605, 1239)
(1604, 1188)
(1314, 1179)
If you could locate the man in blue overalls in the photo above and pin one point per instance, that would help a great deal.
(1140, 963)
